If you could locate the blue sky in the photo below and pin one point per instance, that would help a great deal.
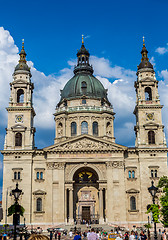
(113, 34)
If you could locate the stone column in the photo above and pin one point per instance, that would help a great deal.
(65, 201)
(71, 220)
(101, 219)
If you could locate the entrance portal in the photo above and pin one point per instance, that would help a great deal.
(86, 213)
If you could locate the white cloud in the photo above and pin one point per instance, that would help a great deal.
(162, 50)
(152, 60)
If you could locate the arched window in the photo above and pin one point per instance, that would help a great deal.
(129, 174)
(148, 94)
(133, 174)
(39, 205)
(60, 129)
(155, 173)
(37, 175)
(73, 129)
(84, 87)
(84, 128)
(95, 128)
(20, 96)
(108, 129)
(151, 137)
(15, 175)
(132, 203)
(18, 175)
(18, 140)
(41, 175)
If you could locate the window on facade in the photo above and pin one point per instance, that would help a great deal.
(20, 96)
(83, 101)
(39, 205)
(133, 174)
(73, 129)
(151, 137)
(155, 173)
(95, 128)
(18, 140)
(129, 174)
(132, 203)
(17, 175)
(148, 94)
(152, 173)
(37, 175)
(84, 128)
(41, 175)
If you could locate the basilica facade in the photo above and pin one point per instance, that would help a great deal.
(84, 175)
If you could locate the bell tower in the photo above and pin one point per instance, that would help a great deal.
(20, 130)
(149, 129)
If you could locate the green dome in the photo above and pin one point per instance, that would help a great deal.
(83, 84)
(22, 66)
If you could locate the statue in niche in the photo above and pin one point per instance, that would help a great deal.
(108, 129)
(60, 130)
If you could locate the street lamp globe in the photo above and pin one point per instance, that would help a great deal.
(16, 192)
(153, 190)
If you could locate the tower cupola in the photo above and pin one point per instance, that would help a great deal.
(144, 60)
(22, 66)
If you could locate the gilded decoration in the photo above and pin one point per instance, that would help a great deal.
(55, 165)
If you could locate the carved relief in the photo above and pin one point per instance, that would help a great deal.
(115, 164)
(87, 144)
(55, 165)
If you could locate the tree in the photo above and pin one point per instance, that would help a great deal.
(163, 184)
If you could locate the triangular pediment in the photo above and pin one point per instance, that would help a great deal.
(151, 125)
(18, 127)
(19, 81)
(39, 192)
(132, 190)
(84, 143)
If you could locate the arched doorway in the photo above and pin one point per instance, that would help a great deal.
(86, 200)
(85, 197)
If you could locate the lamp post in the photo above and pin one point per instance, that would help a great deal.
(16, 193)
(153, 191)
(6, 212)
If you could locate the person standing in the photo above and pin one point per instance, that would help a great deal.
(132, 237)
(164, 235)
(93, 235)
(77, 236)
(143, 235)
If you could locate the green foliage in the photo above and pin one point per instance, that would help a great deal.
(154, 208)
(147, 226)
(163, 183)
(15, 208)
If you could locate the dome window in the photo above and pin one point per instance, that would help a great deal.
(84, 128)
(95, 128)
(73, 129)
(84, 85)
(83, 101)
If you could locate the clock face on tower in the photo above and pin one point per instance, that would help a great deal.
(150, 116)
(19, 118)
